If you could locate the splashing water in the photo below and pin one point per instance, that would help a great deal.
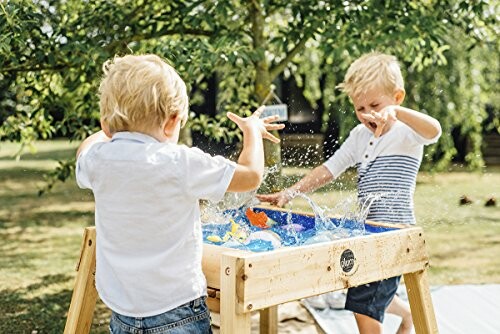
(225, 223)
(353, 212)
(322, 222)
(291, 228)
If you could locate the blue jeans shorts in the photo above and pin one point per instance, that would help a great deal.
(192, 317)
(372, 299)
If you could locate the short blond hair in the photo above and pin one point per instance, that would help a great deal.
(139, 92)
(373, 70)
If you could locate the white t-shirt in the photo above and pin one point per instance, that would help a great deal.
(387, 168)
(149, 240)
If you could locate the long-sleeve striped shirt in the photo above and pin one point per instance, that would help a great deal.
(387, 169)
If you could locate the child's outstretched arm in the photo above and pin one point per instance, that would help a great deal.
(96, 137)
(315, 179)
(250, 168)
(425, 125)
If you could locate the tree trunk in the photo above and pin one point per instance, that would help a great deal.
(273, 180)
(332, 132)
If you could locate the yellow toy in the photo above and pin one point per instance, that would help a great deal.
(237, 233)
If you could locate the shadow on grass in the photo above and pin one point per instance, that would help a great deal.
(32, 309)
(485, 219)
(58, 154)
(51, 219)
(22, 174)
(30, 254)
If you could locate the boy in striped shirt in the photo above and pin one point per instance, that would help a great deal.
(386, 149)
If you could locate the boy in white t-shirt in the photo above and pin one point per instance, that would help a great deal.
(386, 148)
(147, 191)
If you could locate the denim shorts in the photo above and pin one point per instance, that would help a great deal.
(372, 299)
(192, 317)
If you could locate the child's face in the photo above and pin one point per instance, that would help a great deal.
(376, 100)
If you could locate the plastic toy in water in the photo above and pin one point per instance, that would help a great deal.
(259, 241)
(268, 236)
(217, 239)
(293, 227)
(237, 233)
(259, 219)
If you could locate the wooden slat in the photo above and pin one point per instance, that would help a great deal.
(213, 304)
(294, 273)
(420, 300)
(232, 321)
(269, 320)
(84, 296)
(213, 300)
(211, 263)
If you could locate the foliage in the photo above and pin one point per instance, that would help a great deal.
(450, 66)
(457, 95)
(213, 127)
(61, 173)
(51, 53)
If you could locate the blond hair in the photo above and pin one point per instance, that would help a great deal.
(140, 92)
(373, 70)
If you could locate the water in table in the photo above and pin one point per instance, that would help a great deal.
(227, 224)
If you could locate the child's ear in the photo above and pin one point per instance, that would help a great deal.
(171, 125)
(105, 128)
(399, 96)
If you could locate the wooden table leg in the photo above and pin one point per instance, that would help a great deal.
(420, 300)
(269, 320)
(231, 321)
(83, 300)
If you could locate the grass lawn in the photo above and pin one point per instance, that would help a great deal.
(40, 237)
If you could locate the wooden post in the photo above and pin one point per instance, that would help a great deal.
(420, 300)
(83, 300)
(231, 321)
(269, 320)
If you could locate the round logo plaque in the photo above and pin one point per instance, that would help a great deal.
(347, 260)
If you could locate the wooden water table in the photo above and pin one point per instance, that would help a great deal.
(240, 282)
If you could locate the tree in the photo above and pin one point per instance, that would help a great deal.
(51, 52)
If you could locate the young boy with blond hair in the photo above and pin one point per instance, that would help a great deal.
(147, 190)
(386, 148)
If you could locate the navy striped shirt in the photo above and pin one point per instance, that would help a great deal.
(387, 169)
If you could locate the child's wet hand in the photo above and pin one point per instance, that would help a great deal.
(383, 118)
(279, 199)
(380, 121)
(270, 126)
(267, 124)
(377, 121)
(264, 125)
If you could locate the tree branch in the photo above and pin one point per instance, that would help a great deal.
(278, 68)
(160, 33)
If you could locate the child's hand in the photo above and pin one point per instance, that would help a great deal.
(279, 199)
(263, 125)
(381, 118)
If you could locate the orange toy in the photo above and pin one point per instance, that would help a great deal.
(259, 219)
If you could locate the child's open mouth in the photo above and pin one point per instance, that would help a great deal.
(372, 125)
